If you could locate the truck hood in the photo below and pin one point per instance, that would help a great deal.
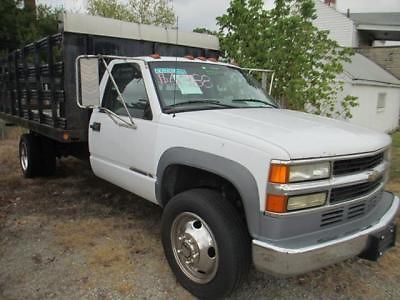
(302, 135)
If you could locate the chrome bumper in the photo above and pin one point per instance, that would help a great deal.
(284, 262)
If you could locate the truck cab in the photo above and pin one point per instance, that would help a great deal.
(238, 177)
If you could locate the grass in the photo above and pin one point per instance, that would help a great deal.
(395, 169)
(394, 183)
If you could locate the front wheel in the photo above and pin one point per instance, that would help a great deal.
(206, 243)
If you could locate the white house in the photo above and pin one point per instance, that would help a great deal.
(378, 91)
(340, 28)
(378, 94)
(358, 27)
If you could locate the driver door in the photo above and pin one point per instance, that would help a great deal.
(119, 153)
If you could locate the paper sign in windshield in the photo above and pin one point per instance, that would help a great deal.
(188, 85)
(170, 71)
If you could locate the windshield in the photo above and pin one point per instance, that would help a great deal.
(199, 86)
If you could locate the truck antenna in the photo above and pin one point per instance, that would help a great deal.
(176, 60)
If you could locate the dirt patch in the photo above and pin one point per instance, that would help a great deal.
(75, 236)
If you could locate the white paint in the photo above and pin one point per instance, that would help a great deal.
(339, 26)
(251, 137)
(392, 43)
(367, 114)
(115, 149)
(364, 6)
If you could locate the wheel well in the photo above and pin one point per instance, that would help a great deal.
(179, 178)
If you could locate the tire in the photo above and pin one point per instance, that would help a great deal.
(47, 157)
(202, 217)
(29, 155)
(37, 156)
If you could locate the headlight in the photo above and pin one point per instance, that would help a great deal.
(309, 172)
(306, 201)
(282, 204)
(292, 173)
(281, 173)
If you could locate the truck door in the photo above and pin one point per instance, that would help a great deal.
(119, 153)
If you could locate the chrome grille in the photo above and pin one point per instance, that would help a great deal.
(354, 165)
(353, 191)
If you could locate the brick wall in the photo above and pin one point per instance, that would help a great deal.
(386, 57)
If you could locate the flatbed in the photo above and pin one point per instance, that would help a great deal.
(37, 82)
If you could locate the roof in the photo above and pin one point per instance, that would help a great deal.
(391, 19)
(382, 26)
(362, 70)
(177, 59)
(79, 23)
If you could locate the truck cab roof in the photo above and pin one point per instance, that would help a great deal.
(153, 58)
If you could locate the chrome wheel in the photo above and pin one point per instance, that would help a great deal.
(194, 247)
(24, 157)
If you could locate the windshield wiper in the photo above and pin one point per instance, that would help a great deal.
(206, 101)
(255, 100)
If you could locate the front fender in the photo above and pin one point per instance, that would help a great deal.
(235, 173)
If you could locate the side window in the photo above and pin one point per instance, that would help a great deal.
(129, 80)
(381, 102)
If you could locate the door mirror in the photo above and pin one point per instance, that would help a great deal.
(87, 82)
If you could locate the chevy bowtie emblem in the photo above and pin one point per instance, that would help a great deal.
(373, 176)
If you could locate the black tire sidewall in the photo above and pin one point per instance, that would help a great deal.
(32, 145)
(233, 241)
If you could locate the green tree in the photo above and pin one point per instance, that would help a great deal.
(205, 30)
(21, 25)
(156, 12)
(305, 60)
(8, 28)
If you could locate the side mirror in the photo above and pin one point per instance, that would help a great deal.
(87, 81)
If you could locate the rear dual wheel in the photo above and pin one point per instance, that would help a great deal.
(37, 156)
(206, 243)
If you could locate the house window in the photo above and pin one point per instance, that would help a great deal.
(381, 102)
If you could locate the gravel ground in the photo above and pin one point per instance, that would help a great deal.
(74, 236)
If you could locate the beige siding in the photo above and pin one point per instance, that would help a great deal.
(340, 27)
(386, 57)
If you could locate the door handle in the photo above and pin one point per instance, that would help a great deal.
(95, 126)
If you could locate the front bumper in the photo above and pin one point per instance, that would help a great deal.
(282, 262)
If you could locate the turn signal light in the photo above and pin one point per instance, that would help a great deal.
(65, 136)
(276, 203)
(279, 173)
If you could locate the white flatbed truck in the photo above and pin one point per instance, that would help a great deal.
(240, 179)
